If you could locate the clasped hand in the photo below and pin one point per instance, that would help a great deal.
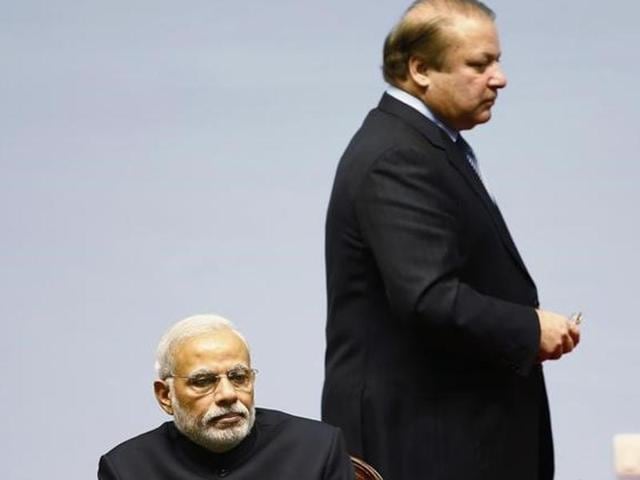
(559, 335)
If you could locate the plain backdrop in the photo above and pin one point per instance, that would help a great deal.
(163, 158)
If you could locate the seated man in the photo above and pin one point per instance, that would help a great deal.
(205, 381)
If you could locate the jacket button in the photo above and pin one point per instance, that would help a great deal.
(223, 472)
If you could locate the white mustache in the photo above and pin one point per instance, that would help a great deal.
(216, 411)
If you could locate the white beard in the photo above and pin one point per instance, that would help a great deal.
(215, 439)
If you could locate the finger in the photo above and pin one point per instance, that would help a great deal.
(574, 331)
(567, 344)
(556, 353)
(543, 355)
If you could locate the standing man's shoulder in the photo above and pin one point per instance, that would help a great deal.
(394, 132)
(393, 123)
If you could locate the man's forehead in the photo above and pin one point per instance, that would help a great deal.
(476, 35)
(466, 26)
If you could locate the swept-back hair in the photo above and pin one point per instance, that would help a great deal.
(421, 32)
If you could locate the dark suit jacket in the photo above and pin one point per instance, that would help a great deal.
(279, 447)
(432, 334)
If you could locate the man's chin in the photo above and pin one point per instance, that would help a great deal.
(220, 433)
(479, 119)
(485, 115)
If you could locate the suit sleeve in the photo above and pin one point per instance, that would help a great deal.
(412, 222)
(105, 470)
(338, 466)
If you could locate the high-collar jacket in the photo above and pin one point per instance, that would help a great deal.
(279, 447)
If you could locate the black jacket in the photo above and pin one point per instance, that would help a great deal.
(279, 447)
(432, 334)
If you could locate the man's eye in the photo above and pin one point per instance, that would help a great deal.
(202, 381)
(478, 66)
(239, 377)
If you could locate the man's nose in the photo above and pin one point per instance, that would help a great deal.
(225, 393)
(498, 79)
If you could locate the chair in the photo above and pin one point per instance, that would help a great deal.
(364, 471)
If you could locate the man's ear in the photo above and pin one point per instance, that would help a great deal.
(419, 72)
(161, 389)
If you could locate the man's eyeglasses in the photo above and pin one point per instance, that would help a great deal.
(241, 378)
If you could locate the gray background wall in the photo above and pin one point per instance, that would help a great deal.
(163, 158)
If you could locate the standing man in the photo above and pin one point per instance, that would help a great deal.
(435, 342)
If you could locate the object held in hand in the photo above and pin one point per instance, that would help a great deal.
(577, 318)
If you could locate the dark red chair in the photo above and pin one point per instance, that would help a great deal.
(364, 471)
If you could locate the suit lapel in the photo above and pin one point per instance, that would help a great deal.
(440, 139)
(461, 164)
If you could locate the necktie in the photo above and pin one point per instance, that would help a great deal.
(466, 149)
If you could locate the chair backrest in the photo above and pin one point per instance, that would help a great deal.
(364, 471)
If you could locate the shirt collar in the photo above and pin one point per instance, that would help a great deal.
(417, 104)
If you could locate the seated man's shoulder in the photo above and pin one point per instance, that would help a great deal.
(149, 441)
(280, 423)
(308, 445)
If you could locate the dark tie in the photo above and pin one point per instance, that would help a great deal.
(466, 149)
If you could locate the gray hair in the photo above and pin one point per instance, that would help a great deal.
(185, 329)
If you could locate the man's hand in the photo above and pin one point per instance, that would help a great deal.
(558, 335)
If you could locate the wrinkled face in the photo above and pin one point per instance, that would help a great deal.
(463, 92)
(220, 418)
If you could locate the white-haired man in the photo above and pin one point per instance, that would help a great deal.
(205, 381)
